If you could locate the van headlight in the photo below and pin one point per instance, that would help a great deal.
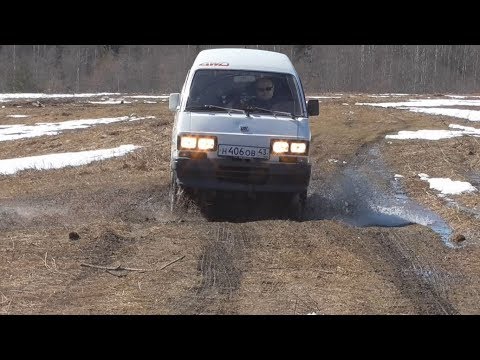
(197, 142)
(298, 147)
(206, 144)
(188, 142)
(280, 147)
(289, 147)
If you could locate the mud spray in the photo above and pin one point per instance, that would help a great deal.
(364, 193)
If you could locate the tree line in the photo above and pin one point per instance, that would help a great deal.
(162, 68)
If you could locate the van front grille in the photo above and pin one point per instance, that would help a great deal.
(243, 175)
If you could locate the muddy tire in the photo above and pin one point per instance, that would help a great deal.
(177, 195)
(207, 206)
(297, 206)
(173, 193)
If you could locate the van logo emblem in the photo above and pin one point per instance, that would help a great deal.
(211, 63)
(244, 128)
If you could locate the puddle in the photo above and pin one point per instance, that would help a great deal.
(474, 179)
(365, 194)
(378, 219)
(467, 210)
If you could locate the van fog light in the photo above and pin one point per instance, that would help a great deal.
(287, 159)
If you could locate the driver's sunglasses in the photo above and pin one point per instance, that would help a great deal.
(269, 88)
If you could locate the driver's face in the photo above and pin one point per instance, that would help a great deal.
(264, 89)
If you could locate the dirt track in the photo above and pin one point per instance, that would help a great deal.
(250, 261)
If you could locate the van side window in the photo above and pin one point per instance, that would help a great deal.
(184, 87)
(295, 94)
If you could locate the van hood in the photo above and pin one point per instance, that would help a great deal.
(255, 124)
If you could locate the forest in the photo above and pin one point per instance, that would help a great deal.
(422, 69)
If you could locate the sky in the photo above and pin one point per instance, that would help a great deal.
(58, 160)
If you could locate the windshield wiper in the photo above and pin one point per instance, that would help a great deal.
(208, 107)
(249, 109)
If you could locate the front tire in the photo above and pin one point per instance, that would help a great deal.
(173, 194)
(177, 195)
(297, 206)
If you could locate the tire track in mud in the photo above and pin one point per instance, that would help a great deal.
(220, 267)
(415, 276)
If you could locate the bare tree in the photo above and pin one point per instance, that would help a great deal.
(162, 68)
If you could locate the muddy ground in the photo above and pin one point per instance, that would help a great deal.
(369, 244)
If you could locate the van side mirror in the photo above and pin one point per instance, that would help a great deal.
(313, 107)
(174, 101)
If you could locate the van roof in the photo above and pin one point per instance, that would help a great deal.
(243, 59)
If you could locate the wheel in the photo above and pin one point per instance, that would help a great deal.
(178, 199)
(179, 195)
(297, 206)
(302, 199)
(173, 191)
(207, 202)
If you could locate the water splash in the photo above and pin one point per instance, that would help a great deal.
(365, 194)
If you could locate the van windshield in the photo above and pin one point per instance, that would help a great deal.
(253, 91)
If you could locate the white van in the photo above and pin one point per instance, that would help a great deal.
(226, 139)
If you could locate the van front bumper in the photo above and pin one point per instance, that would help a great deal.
(242, 175)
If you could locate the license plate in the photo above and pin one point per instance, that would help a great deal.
(243, 151)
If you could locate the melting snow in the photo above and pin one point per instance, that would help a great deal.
(20, 131)
(436, 134)
(425, 103)
(471, 115)
(446, 186)
(10, 96)
(57, 161)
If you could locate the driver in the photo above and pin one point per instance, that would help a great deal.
(264, 90)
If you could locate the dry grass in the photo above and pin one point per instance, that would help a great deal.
(119, 208)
